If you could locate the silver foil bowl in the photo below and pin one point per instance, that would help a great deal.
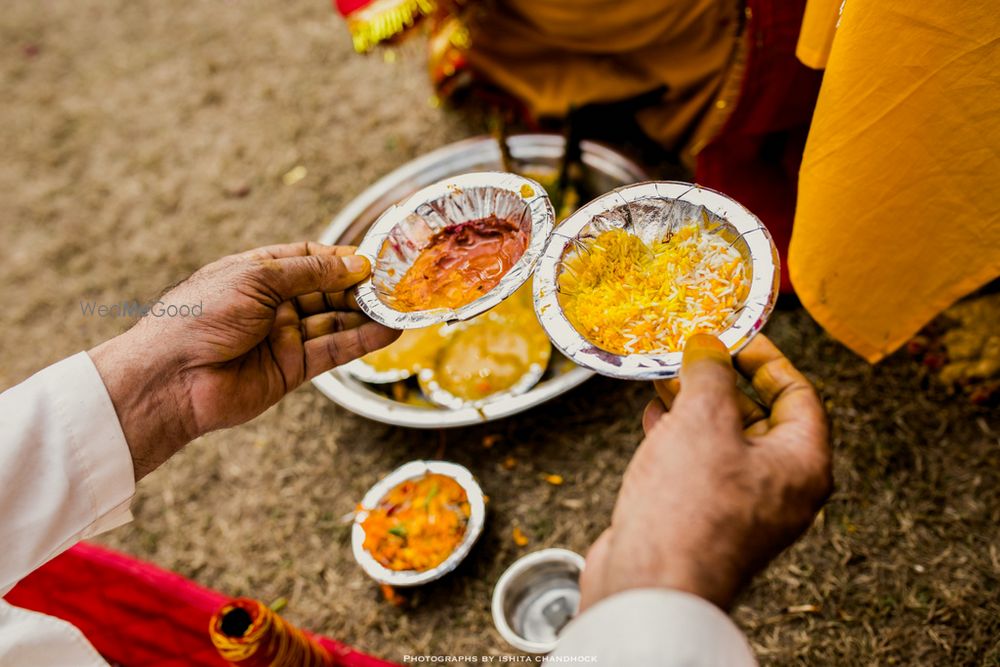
(434, 380)
(536, 597)
(441, 396)
(414, 470)
(651, 210)
(399, 236)
(429, 376)
(365, 372)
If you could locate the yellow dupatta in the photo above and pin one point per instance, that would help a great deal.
(899, 192)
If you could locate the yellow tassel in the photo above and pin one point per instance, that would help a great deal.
(384, 19)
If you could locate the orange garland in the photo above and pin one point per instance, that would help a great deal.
(249, 634)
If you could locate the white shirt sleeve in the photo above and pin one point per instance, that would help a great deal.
(652, 628)
(65, 469)
(30, 638)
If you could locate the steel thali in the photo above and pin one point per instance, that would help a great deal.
(534, 155)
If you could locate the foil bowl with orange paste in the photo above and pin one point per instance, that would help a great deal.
(454, 250)
(418, 523)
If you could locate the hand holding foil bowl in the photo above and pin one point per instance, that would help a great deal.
(630, 276)
(618, 288)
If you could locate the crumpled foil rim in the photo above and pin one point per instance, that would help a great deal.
(413, 470)
(365, 372)
(440, 396)
(757, 308)
(542, 222)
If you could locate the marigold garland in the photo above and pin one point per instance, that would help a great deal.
(384, 19)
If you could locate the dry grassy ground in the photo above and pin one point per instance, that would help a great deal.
(144, 139)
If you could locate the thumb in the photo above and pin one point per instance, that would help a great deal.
(708, 381)
(290, 277)
(594, 571)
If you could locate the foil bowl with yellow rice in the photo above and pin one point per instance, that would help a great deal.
(628, 277)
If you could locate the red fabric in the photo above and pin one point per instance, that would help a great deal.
(346, 7)
(755, 158)
(137, 614)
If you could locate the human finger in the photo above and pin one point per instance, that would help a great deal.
(321, 302)
(751, 412)
(300, 249)
(757, 354)
(667, 390)
(707, 381)
(290, 277)
(594, 569)
(285, 340)
(334, 349)
(782, 387)
(757, 429)
(332, 322)
(797, 425)
(652, 414)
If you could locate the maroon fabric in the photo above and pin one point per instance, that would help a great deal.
(136, 614)
(755, 158)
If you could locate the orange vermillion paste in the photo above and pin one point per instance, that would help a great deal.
(460, 264)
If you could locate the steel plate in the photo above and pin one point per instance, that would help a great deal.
(606, 169)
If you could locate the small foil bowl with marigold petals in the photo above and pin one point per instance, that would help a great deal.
(398, 523)
(454, 249)
(630, 276)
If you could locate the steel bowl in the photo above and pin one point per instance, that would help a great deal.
(605, 169)
(413, 470)
(536, 597)
(649, 210)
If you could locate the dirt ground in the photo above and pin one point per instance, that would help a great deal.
(144, 139)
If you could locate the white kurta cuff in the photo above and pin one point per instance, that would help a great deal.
(653, 628)
(30, 638)
(65, 468)
(103, 452)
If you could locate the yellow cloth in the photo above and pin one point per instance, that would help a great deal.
(819, 25)
(554, 54)
(899, 192)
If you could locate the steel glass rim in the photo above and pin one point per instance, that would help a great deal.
(500, 589)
